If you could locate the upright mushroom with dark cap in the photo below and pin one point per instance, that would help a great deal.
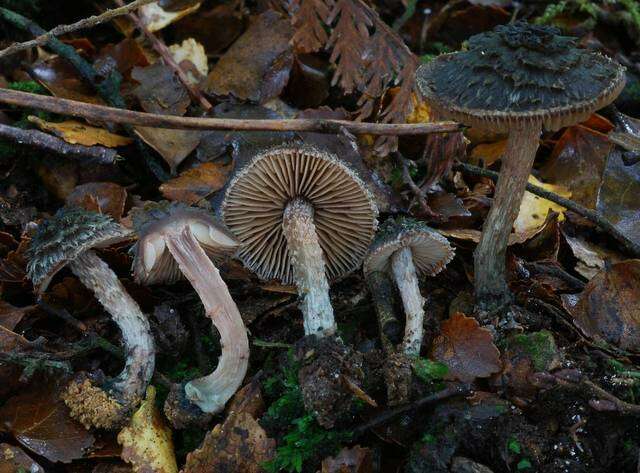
(407, 248)
(174, 240)
(67, 239)
(521, 79)
(303, 216)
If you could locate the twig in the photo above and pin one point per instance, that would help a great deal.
(38, 139)
(33, 362)
(110, 114)
(408, 180)
(164, 52)
(64, 315)
(386, 416)
(591, 215)
(60, 30)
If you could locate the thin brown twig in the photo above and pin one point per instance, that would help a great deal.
(116, 115)
(40, 140)
(78, 25)
(629, 246)
(164, 52)
(408, 180)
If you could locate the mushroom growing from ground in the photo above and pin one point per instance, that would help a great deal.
(303, 216)
(519, 79)
(406, 248)
(174, 240)
(67, 239)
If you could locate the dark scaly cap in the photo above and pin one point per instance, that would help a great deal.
(62, 238)
(518, 74)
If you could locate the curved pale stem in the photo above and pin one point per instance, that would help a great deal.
(210, 393)
(308, 268)
(96, 275)
(490, 255)
(404, 273)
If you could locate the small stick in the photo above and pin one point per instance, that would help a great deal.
(78, 25)
(591, 215)
(116, 115)
(408, 180)
(164, 52)
(38, 139)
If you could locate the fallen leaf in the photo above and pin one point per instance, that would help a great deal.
(102, 197)
(197, 183)
(146, 441)
(160, 90)
(155, 18)
(60, 78)
(349, 460)
(591, 257)
(59, 177)
(192, 51)
(609, 306)
(75, 132)
(127, 54)
(14, 460)
(534, 209)
(466, 348)
(9, 340)
(239, 444)
(173, 145)
(40, 421)
(488, 153)
(11, 316)
(256, 67)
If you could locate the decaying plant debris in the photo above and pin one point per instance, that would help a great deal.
(241, 236)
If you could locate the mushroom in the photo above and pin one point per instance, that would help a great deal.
(303, 216)
(67, 239)
(407, 248)
(177, 240)
(518, 79)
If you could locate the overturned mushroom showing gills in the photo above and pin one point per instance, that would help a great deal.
(67, 239)
(406, 248)
(521, 79)
(174, 240)
(305, 217)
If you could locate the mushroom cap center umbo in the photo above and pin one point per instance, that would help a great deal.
(345, 213)
(153, 264)
(520, 73)
(431, 251)
(62, 238)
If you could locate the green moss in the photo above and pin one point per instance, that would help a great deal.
(524, 464)
(28, 86)
(514, 446)
(429, 371)
(540, 346)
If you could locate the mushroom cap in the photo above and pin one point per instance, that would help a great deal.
(345, 213)
(520, 74)
(62, 238)
(153, 264)
(431, 251)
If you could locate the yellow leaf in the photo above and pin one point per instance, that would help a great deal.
(154, 17)
(197, 183)
(489, 153)
(421, 112)
(146, 442)
(534, 209)
(191, 50)
(75, 132)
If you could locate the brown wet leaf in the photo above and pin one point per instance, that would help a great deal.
(257, 66)
(197, 183)
(102, 197)
(60, 78)
(591, 257)
(127, 54)
(349, 460)
(59, 177)
(173, 145)
(146, 441)
(466, 348)
(11, 316)
(160, 90)
(609, 306)
(14, 460)
(76, 132)
(9, 340)
(578, 162)
(40, 421)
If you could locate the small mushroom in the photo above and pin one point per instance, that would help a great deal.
(303, 216)
(178, 240)
(67, 239)
(407, 248)
(519, 79)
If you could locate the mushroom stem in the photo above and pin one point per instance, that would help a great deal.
(96, 275)
(308, 268)
(404, 273)
(381, 292)
(491, 286)
(210, 393)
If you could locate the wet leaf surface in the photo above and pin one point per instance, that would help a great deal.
(155, 18)
(534, 209)
(75, 132)
(102, 197)
(14, 460)
(197, 183)
(160, 90)
(350, 460)
(173, 145)
(466, 349)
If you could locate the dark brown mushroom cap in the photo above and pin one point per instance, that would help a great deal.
(345, 213)
(431, 251)
(62, 238)
(518, 74)
(153, 264)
